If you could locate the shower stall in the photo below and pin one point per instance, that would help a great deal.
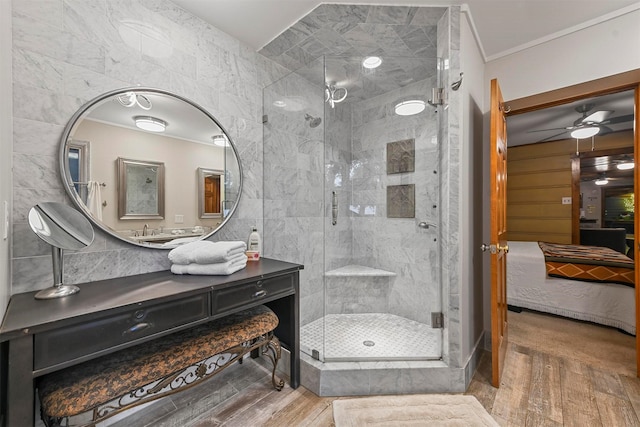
(352, 192)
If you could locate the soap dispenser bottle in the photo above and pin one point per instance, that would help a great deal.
(254, 245)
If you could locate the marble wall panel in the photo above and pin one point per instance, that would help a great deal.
(67, 52)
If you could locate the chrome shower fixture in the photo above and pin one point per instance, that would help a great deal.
(313, 121)
(333, 94)
(437, 97)
(456, 85)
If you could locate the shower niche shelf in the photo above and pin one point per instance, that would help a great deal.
(358, 271)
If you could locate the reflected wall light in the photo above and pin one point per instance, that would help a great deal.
(410, 107)
(150, 124)
(131, 99)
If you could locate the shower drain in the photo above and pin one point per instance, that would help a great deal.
(369, 343)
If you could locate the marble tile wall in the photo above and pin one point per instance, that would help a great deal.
(398, 244)
(66, 52)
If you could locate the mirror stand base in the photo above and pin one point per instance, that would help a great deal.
(57, 292)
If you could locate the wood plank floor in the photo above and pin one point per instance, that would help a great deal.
(558, 372)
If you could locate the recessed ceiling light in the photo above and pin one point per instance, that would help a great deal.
(150, 124)
(585, 132)
(371, 62)
(279, 104)
(409, 108)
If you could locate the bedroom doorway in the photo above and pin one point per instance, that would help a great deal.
(620, 82)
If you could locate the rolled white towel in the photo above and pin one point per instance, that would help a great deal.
(206, 252)
(219, 269)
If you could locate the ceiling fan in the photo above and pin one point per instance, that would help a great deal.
(589, 124)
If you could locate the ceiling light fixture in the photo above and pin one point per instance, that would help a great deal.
(585, 132)
(625, 166)
(602, 181)
(371, 62)
(150, 124)
(410, 107)
(279, 103)
(220, 140)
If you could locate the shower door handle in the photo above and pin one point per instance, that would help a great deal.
(334, 208)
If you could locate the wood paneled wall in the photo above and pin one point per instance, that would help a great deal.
(539, 176)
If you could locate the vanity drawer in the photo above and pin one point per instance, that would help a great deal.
(236, 296)
(88, 337)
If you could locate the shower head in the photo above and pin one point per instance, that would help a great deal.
(313, 121)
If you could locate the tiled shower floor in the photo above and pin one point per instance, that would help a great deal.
(378, 336)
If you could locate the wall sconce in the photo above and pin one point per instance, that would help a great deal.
(130, 99)
(333, 94)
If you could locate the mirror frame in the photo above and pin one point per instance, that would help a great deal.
(123, 189)
(202, 174)
(66, 139)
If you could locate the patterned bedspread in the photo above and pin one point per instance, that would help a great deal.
(587, 263)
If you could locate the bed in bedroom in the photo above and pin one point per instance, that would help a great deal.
(604, 302)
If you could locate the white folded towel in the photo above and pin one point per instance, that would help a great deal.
(206, 252)
(180, 241)
(220, 269)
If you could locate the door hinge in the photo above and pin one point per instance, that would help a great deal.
(437, 320)
(315, 354)
(265, 118)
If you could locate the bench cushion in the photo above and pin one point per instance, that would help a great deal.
(82, 387)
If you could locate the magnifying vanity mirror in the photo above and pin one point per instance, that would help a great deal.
(62, 227)
(147, 167)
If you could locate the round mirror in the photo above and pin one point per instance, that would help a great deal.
(62, 227)
(132, 161)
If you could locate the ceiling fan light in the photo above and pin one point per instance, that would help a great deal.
(601, 181)
(625, 166)
(585, 132)
(150, 124)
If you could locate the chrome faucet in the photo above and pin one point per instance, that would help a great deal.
(144, 229)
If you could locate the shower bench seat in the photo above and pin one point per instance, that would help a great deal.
(100, 388)
(358, 271)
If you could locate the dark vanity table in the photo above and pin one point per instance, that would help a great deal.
(105, 316)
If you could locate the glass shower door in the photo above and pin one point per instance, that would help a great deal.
(382, 196)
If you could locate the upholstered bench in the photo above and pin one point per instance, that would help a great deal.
(100, 388)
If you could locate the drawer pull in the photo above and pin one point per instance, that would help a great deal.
(137, 328)
(260, 294)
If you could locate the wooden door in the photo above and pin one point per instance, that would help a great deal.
(498, 246)
(212, 194)
(636, 220)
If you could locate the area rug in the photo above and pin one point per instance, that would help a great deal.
(411, 410)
